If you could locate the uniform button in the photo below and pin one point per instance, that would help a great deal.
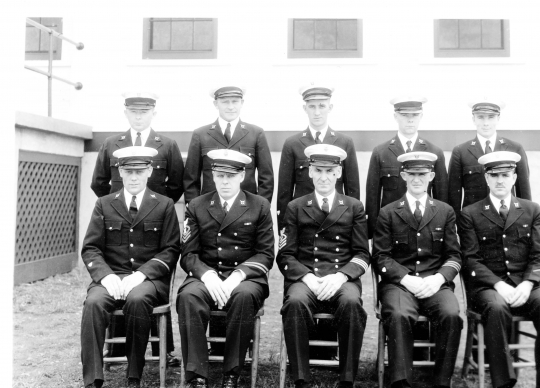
(316, 235)
(220, 263)
(131, 230)
(219, 234)
(388, 175)
(505, 249)
(396, 242)
(337, 266)
(220, 272)
(337, 249)
(316, 269)
(337, 260)
(155, 229)
(110, 227)
(337, 237)
(301, 167)
(190, 273)
(219, 249)
(235, 263)
(418, 234)
(131, 245)
(132, 259)
(316, 260)
(483, 238)
(315, 249)
(157, 166)
(508, 273)
(470, 172)
(504, 235)
(235, 233)
(528, 234)
(419, 249)
(417, 274)
(507, 262)
(417, 262)
(235, 247)
(441, 239)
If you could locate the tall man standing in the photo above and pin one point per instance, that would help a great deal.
(227, 253)
(294, 181)
(466, 183)
(416, 253)
(323, 252)
(500, 239)
(228, 132)
(384, 184)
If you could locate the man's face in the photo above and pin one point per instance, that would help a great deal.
(317, 111)
(486, 123)
(324, 178)
(500, 184)
(229, 107)
(135, 180)
(408, 123)
(417, 182)
(228, 184)
(140, 119)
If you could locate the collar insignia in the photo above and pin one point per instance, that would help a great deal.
(516, 204)
(431, 202)
(486, 207)
(402, 203)
(157, 138)
(117, 195)
(393, 141)
(242, 203)
(152, 195)
(340, 202)
(473, 142)
(213, 126)
(333, 134)
(211, 203)
(420, 141)
(309, 202)
(242, 125)
(501, 141)
(122, 137)
(304, 134)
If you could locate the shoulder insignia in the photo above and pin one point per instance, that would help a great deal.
(333, 133)
(157, 138)
(473, 142)
(90, 264)
(213, 126)
(431, 202)
(516, 204)
(383, 269)
(340, 202)
(242, 125)
(486, 207)
(153, 195)
(122, 137)
(211, 203)
(525, 225)
(473, 273)
(286, 268)
(402, 203)
(282, 240)
(187, 231)
(392, 141)
(501, 141)
(309, 202)
(243, 203)
(420, 141)
(117, 195)
(304, 134)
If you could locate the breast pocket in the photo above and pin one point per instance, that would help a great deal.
(302, 170)
(524, 243)
(437, 239)
(113, 232)
(152, 233)
(159, 170)
(472, 176)
(400, 241)
(249, 151)
(115, 174)
(389, 178)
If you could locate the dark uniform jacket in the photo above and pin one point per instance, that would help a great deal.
(294, 181)
(384, 183)
(495, 251)
(114, 244)
(168, 166)
(466, 174)
(323, 245)
(243, 239)
(247, 139)
(402, 247)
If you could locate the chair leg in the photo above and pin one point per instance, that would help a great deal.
(282, 361)
(481, 352)
(108, 349)
(514, 339)
(162, 350)
(468, 348)
(380, 355)
(255, 351)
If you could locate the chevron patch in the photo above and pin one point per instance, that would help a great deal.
(187, 231)
(282, 239)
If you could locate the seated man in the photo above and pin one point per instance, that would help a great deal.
(131, 247)
(500, 239)
(416, 253)
(227, 253)
(323, 252)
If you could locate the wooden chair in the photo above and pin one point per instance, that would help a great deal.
(425, 344)
(475, 342)
(159, 312)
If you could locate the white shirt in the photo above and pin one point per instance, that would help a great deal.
(330, 199)
(483, 140)
(229, 201)
(497, 202)
(412, 202)
(144, 135)
(138, 198)
(404, 140)
(223, 125)
(322, 131)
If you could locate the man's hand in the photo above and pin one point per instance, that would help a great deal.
(412, 283)
(329, 284)
(130, 282)
(312, 282)
(521, 293)
(232, 282)
(113, 285)
(506, 291)
(214, 285)
(432, 284)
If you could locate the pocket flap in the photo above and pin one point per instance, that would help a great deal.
(113, 225)
(437, 236)
(302, 163)
(389, 172)
(153, 225)
(486, 235)
(401, 238)
(249, 151)
(524, 233)
(468, 170)
(113, 162)
(159, 164)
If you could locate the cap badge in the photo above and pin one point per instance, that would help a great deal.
(309, 202)
(213, 126)
(340, 202)
(486, 207)
(122, 137)
(402, 203)
(416, 156)
(282, 239)
(242, 202)
(211, 202)
(473, 142)
(242, 125)
(152, 195)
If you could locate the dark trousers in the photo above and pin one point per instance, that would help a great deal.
(194, 304)
(400, 311)
(299, 305)
(137, 312)
(497, 318)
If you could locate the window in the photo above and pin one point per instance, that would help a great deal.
(179, 38)
(325, 38)
(37, 41)
(472, 38)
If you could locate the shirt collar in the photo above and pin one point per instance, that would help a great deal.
(144, 135)
(138, 197)
(229, 201)
(404, 140)
(497, 202)
(223, 125)
(330, 198)
(483, 140)
(412, 200)
(322, 131)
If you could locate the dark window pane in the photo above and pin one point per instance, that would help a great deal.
(304, 33)
(325, 35)
(470, 34)
(182, 35)
(347, 35)
(448, 34)
(203, 35)
(161, 35)
(492, 34)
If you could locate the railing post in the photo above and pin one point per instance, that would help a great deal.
(49, 77)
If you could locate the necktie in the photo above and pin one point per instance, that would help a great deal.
(418, 212)
(228, 133)
(409, 143)
(317, 137)
(225, 207)
(325, 208)
(488, 148)
(133, 208)
(503, 211)
(138, 140)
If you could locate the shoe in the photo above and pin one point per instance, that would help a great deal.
(345, 384)
(302, 384)
(133, 383)
(230, 381)
(198, 382)
(95, 384)
(172, 360)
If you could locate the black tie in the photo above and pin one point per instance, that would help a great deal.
(325, 208)
(133, 208)
(409, 143)
(503, 211)
(228, 133)
(138, 140)
(418, 213)
(488, 148)
(317, 137)
(225, 207)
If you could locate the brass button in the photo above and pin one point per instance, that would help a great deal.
(417, 262)
(219, 249)
(235, 263)
(316, 260)
(337, 266)
(220, 263)
(504, 235)
(337, 237)
(235, 247)
(131, 245)
(419, 249)
(337, 249)
(337, 260)
(316, 249)
(505, 249)
(316, 235)
(132, 259)
(418, 234)
(316, 269)
(219, 234)
(131, 230)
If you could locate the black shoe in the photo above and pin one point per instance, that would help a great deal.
(133, 383)
(401, 384)
(345, 384)
(95, 384)
(302, 384)
(172, 360)
(230, 381)
(198, 382)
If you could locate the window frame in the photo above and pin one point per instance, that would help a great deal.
(57, 43)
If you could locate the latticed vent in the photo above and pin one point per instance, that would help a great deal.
(46, 210)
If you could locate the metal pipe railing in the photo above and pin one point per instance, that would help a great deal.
(56, 34)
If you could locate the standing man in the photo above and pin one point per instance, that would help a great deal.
(167, 167)
(465, 172)
(294, 181)
(500, 239)
(130, 250)
(384, 184)
(323, 252)
(229, 132)
(227, 253)
(416, 253)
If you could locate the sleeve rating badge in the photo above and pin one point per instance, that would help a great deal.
(282, 238)
(187, 231)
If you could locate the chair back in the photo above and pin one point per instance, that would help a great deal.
(375, 283)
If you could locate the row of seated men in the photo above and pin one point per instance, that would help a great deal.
(320, 96)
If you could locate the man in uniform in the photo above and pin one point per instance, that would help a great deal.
(227, 253)
(228, 132)
(131, 247)
(384, 184)
(465, 172)
(294, 181)
(416, 253)
(323, 252)
(167, 166)
(500, 239)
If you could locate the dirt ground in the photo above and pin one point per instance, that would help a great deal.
(47, 318)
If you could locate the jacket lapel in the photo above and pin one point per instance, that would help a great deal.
(338, 208)
(514, 212)
(239, 133)
(429, 212)
(153, 141)
(419, 145)
(215, 132)
(330, 137)
(306, 138)
(500, 144)
(119, 204)
(238, 207)
(311, 208)
(475, 148)
(124, 140)
(396, 147)
(404, 212)
(489, 212)
(215, 209)
(149, 202)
